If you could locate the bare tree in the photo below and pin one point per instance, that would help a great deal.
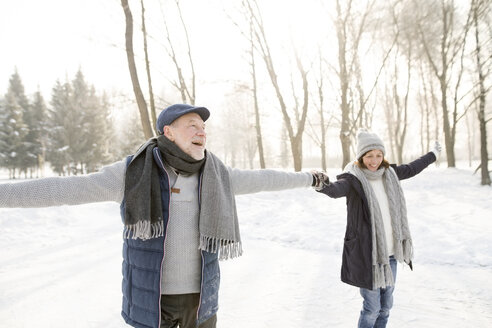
(259, 138)
(237, 127)
(396, 110)
(471, 132)
(318, 130)
(295, 137)
(323, 126)
(428, 104)
(341, 24)
(480, 10)
(147, 67)
(396, 107)
(250, 38)
(350, 25)
(142, 105)
(450, 41)
(186, 89)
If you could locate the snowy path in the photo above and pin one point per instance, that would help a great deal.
(60, 267)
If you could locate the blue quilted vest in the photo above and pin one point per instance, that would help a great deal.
(142, 271)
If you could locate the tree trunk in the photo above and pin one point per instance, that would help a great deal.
(343, 76)
(302, 122)
(147, 67)
(192, 95)
(142, 105)
(471, 136)
(296, 147)
(403, 131)
(322, 125)
(448, 140)
(259, 139)
(484, 156)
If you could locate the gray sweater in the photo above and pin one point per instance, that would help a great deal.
(181, 267)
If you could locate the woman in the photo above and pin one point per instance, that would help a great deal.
(377, 233)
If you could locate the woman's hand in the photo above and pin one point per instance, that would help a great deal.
(320, 180)
(437, 149)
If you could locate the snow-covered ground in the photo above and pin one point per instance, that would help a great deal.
(61, 267)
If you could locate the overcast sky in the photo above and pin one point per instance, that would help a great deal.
(49, 40)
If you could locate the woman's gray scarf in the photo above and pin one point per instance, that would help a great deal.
(218, 223)
(382, 275)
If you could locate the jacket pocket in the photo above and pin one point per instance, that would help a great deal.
(350, 241)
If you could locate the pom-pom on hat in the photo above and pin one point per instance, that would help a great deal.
(173, 112)
(367, 141)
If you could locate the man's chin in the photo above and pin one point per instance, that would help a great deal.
(198, 156)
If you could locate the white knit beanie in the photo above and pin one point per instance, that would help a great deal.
(367, 141)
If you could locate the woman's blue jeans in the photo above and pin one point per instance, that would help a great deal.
(377, 304)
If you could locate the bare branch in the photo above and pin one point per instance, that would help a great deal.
(193, 76)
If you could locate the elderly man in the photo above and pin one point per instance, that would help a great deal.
(179, 214)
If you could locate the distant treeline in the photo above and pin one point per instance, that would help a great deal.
(74, 132)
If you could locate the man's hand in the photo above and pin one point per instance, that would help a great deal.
(437, 149)
(320, 180)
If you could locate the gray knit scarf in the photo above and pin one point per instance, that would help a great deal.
(218, 224)
(382, 275)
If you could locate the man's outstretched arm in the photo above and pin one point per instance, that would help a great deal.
(251, 181)
(105, 185)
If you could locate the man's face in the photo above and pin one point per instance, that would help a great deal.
(188, 133)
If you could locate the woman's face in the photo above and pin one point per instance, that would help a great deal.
(373, 159)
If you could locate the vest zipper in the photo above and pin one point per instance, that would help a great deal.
(201, 254)
(201, 289)
(165, 236)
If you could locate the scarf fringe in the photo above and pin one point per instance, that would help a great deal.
(383, 276)
(227, 249)
(144, 230)
(404, 250)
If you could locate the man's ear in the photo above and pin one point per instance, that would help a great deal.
(168, 132)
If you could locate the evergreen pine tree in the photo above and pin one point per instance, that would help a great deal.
(130, 137)
(3, 135)
(79, 106)
(80, 130)
(61, 131)
(13, 131)
(98, 131)
(39, 130)
(26, 157)
(17, 89)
